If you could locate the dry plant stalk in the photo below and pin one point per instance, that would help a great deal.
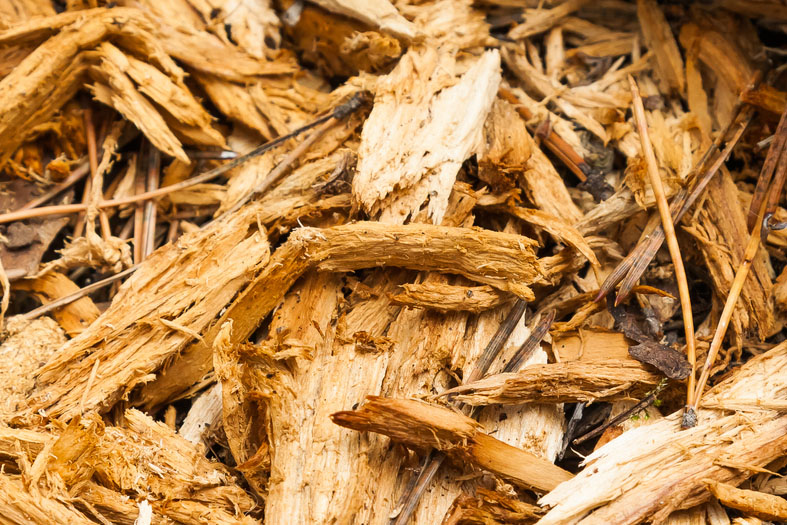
(669, 232)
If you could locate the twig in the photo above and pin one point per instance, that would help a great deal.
(340, 112)
(68, 299)
(75, 176)
(646, 402)
(669, 231)
(92, 155)
(139, 211)
(590, 179)
(775, 160)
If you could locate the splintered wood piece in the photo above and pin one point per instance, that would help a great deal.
(490, 508)
(538, 21)
(412, 148)
(380, 14)
(658, 37)
(568, 382)
(19, 505)
(172, 303)
(726, 447)
(421, 425)
(752, 503)
(504, 261)
(447, 298)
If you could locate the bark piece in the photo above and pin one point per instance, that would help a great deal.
(568, 382)
(412, 148)
(421, 425)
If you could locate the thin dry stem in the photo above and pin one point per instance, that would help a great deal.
(669, 231)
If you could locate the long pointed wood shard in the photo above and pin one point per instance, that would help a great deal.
(413, 145)
(422, 425)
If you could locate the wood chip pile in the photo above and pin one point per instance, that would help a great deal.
(393, 261)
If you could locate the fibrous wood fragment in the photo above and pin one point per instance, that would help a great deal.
(445, 298)
(421, 425)
(133, 339)
(567, 382)
(504, 261)
(412, 148)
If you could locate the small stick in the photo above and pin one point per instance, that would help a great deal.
(139, 211)
(75, 176)
(92, 155)
(646, 402)
(340, 112)
(669, 231)
(68, 299)
(154, 165)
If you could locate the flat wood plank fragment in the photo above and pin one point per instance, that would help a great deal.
(422, 425)
(412, 147)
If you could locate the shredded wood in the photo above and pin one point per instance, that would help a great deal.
(392, 262)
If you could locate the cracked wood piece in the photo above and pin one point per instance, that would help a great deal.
(204, 416)
(725, 447)
(422, 425)
(658, 37)
(568, 382)
(446, 298)
(504, 261)
(380, 14)
(413, 147)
